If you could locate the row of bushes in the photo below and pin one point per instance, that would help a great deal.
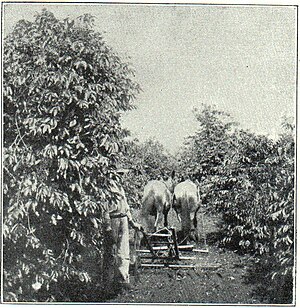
(250, 181)
(64, 90)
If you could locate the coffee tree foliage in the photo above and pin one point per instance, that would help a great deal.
(249, 179)
(202, 155)
(63, 91)
(145, 161)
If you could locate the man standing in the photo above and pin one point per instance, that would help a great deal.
(116, 258)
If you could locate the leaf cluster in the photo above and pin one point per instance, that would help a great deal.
(63, 92)
(249, 180)
(146, 161)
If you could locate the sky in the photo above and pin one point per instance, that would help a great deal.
(242, 59)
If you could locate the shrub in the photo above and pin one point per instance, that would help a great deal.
(63, 91)
(249, 179)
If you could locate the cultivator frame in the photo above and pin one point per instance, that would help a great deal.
(163, 250)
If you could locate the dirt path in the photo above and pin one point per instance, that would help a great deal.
(225, 284)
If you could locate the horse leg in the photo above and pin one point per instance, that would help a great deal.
(166, 219)
(195, 223)
(156, 221)
(178, 216)
(177, 207)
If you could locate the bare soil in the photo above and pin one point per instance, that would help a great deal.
(225, 284)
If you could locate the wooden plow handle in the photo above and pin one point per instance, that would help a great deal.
(148, 243)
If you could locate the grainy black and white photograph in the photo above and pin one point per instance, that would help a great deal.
(148, 153)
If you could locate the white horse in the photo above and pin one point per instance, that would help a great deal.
(156, 202)
(186, 203)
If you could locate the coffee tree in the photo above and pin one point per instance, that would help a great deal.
(202, 155)
(249, 180)
(63, 91)
(146, 161)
